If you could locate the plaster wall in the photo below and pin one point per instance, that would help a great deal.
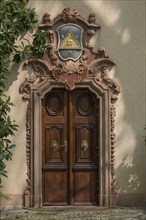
(123, 36)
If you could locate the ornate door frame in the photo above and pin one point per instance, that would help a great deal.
(94, 75)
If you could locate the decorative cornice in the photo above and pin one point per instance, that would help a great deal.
(69, 15)
(39, 66)
(41, 72)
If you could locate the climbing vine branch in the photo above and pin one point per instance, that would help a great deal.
(15, 20)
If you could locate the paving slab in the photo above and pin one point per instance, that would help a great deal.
(76, 213)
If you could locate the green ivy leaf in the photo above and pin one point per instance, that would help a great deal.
(7, 141)
(12, 146)
(15, 20)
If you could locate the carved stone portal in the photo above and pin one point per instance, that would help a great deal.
(70, 63)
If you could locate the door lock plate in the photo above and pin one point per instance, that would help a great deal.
(54, 146)
(84, 145)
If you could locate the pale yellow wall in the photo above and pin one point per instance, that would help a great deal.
(16, 183)
(123, 35)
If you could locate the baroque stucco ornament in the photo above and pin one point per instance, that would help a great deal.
(70, 53)
(60, 67)
(70, 57)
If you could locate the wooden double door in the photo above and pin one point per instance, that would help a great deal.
(70, 165)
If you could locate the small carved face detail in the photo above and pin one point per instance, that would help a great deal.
(70, 42)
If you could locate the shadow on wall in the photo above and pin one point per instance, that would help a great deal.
(124, 40)
(123, 37)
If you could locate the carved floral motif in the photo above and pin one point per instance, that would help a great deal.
(70, 14)
(112, 85)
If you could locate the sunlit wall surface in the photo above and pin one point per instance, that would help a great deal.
(123, 36)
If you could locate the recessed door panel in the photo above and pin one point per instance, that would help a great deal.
(55, 185)
(53, 137)
(85, 187)
(84, 138)
(70, 148)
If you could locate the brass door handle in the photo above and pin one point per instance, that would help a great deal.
(55, 146)
(65, 146)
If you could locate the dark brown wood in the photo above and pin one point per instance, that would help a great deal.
(71, 150)
(55, 162)
(70, 177)
(85, 161)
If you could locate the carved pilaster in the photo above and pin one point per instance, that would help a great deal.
(25, 89)
(113, 141)
(27, 192)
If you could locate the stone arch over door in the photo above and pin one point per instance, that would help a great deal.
(91, 71)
